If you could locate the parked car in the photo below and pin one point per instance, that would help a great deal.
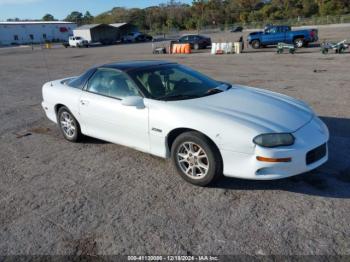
(236, 29)
(272, 35)
(196, 41)
(107, 41)
(143, 38)
(78, 41)
(136, 37)
(207, 127)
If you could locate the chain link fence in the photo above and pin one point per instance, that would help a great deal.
(312, 21)
(174, 33)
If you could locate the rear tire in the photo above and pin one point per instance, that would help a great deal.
(298, 42)
(255, 44)
(196, 158)
(69, 126)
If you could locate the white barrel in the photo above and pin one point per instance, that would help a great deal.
(230, 47)
(238, 47)
(223, 47)
(213, 48)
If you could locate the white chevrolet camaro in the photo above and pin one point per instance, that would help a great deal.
(207, 127)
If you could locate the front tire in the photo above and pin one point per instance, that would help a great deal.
(196, 158)
(69, 126)
(256, 44)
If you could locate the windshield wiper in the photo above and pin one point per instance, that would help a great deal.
(178, 96)
(213, 91)
(218, 89)
(221, 88)
(228, 86)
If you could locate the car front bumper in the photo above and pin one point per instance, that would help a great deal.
(307, 153)
(49, 111)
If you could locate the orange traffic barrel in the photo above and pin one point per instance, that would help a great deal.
(175, 48)
(187, 49)
(181, 49)
(173, 51)
(178, 49)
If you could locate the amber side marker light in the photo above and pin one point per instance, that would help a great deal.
(274, 160)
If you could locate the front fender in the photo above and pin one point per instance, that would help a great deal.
(222, 130)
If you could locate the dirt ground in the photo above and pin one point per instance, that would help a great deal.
(99, 198)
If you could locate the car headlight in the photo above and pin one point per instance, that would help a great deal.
(274, 139)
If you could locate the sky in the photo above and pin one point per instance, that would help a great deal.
(36, 9)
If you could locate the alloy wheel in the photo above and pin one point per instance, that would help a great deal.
(68, 124)
(193, 160)
(299, 43)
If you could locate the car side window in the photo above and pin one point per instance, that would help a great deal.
(284, 29)
(183, 39)
(273, 30)
(111, 83)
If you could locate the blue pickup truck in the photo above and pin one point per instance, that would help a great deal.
(272, 35)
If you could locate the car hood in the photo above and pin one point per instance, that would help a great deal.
(263, 110)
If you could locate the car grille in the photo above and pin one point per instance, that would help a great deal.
(316, 154)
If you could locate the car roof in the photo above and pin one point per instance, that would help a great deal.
(135, 64)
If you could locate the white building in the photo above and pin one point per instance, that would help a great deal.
(34, 32)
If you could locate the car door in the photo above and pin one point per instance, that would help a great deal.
(192, 40)
(272, 36)
(198, 40)
(266, 37)
(105, 117)
(286, 30)
(278, 36)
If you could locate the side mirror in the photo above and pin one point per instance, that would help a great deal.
(136, 101)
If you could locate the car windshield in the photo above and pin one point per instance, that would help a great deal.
(175, 82)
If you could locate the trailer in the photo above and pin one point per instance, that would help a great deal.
(338, 48)
(102, 33)
(282, 46)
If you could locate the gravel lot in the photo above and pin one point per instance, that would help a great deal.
(99, 198)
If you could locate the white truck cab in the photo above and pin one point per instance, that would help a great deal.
(78, 41)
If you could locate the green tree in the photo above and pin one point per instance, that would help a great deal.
(75, 17)
(87, 18)
(48, 17)
(200, 13)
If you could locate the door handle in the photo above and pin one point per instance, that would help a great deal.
(84, 102)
